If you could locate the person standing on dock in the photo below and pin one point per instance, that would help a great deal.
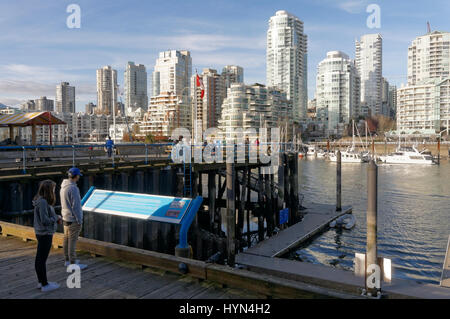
(109, 146)
(44, 223)
(72, 216)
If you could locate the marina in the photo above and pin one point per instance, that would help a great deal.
(257, 201)
(413, 219)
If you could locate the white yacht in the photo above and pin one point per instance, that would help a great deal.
(311, 153)
(322, 154)
(347, 156)
(407, 155)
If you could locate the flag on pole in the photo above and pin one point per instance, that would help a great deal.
(200, 85)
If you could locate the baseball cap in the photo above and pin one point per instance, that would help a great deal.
(74, 171)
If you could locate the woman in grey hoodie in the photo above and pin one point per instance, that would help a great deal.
(45, 221)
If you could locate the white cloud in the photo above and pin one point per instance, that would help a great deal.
(349, 6)
(353, 6)
(209, 42)
(11, 101)
(20, 87)
(23, 72)
(184, 39)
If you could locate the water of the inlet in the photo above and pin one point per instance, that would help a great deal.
(413, 216)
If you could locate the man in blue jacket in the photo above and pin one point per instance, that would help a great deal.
(72, 215)
(109, 146)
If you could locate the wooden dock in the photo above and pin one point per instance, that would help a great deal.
(221, 281)
(316, 219)
(117, 272)
(334, 279)
(104, 278)
(264, 259)
(445, 279)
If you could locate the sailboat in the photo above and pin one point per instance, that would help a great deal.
(350, 155)
(366, 154)
(311, 153)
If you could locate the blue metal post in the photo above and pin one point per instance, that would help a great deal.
(187, 221)
(87, 195)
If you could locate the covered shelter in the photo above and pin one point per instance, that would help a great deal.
(29, 119)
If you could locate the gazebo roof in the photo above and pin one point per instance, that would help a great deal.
(28, 119)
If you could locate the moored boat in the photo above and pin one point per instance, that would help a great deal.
(347, 156)
(407, 155)
(311, 153)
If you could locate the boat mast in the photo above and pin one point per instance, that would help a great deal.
(367, 142)
(353, 134)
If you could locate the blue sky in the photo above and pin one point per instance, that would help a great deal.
(37, 50)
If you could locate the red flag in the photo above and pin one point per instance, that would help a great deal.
(200, 85)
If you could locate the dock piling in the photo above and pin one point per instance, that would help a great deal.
(338, 181)
(231, 214)
(212, 199)
(249, 242)
(372, 197)
(439, 150)
(260, 207)
(281, 168)
(140, 181)
(295, 203)
(124, 179)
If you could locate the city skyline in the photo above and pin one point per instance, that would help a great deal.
(210, 32)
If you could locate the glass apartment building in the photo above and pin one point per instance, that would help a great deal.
(369, 59)
(287, 60)
(135, 88)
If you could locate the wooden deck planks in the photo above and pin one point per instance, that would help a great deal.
(317, 217)
(25, 285)
(136, 287)
(104, 278)
(96, 283)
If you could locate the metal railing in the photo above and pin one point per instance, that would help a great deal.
(94, 151)
(16, 154)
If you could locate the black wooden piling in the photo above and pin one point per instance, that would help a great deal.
(338, 181)
(249, 176)
(260, 207)
(280, 182)
(155, 181)
(212, 198)
(295, 188)
(124, 180)
(140, 181)
(231, 214)
(242, 207)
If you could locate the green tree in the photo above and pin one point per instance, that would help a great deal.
(149, 138)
